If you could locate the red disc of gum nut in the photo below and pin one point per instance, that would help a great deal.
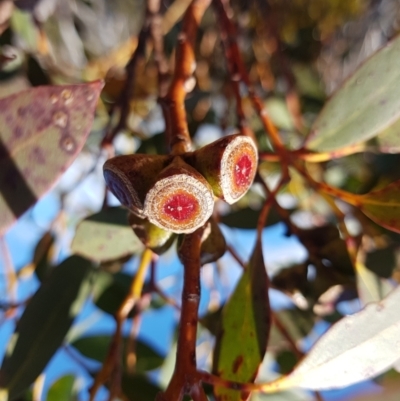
(238, 168)
(179, 203)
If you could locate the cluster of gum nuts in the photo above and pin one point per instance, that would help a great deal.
(176, 193)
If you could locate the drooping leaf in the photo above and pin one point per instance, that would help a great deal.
(44, 324)
(62, 389)
(325, 243)
(106, 236)
(139, 388)
(110, 290)
(357, 348)
(371, 288)
(211, 321)
(286, 360)
(96, 347)
(381, 261)
(382, 206)
(366, 104)
(247, 218)
(42, 255)
(214, 246)
(42, 131)
(242, 340)
(298, 323)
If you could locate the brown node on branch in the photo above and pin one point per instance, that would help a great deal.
(152, 237)
(181, 200)
(130, 177)
(229, 165)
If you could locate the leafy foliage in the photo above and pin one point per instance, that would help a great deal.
(179, 78)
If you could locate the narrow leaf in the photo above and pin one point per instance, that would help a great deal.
(110, 290)
(366, 104)
(42, 131)
(243, 337)
(62, 389)
(106, 236)
(388, 141)
(371, 288)
(44, 324)
(139, 388)
(96, 347)
(247, 218)
(357, 348)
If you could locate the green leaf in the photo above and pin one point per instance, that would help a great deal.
(297, 322)
(242, 340)
(43, 129)
(286, 360)
(42, 255)
(44, 324)
(106, 236)
(388, 140)
(139, 388)
(371, 288)
(382, 206)
(96, 347)
(62, 389)
(214, 246)
(382, 261)
(247, 218)
(366, 104)
(110, 290)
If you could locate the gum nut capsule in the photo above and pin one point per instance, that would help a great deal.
(229, 165)
(129, 178)
(181, 200)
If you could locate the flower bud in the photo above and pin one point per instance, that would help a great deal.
(152, 237)
(229, 165)
(129, 178)
(181, 200)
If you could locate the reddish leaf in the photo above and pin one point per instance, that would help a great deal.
(42, 131)
(242, 342)
(382, 206)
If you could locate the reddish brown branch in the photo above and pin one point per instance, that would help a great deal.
(236, 256)
(185, 64)
(184, 379)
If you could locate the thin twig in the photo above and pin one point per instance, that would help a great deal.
(111, 366)
(9, 271)
(236, 256)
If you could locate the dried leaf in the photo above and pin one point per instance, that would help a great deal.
(42, 131)
(382, 206)
(366, 104)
